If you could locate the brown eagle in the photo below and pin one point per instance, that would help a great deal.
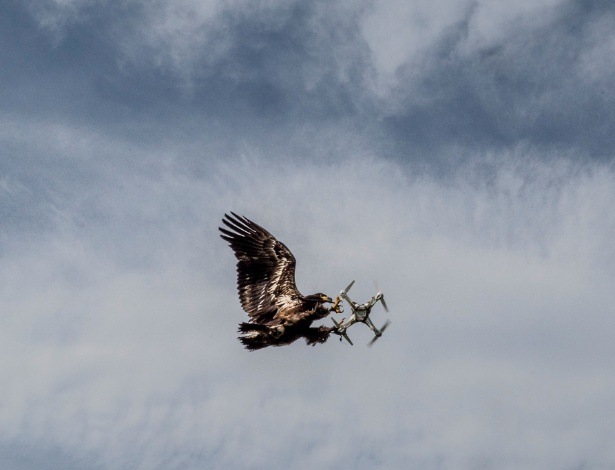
(278, 313)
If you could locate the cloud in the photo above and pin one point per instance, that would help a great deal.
(460, 93)
(119, 324)
(197, 73)
(465, 166)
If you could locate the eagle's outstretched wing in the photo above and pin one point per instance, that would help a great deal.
(265, 268)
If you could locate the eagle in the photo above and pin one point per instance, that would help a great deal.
(279, 313)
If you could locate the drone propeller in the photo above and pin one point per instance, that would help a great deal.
(384, 327)
(381, 297)
(386, 309)
(349, 286)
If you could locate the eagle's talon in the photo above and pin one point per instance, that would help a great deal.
(336, 306)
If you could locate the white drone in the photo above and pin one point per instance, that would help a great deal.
(360, 313)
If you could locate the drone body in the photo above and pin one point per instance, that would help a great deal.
(360, 314)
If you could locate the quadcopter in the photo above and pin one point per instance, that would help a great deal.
(360, 313)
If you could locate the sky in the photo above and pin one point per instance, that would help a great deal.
(459, 153)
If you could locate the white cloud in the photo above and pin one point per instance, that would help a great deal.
(119, 332)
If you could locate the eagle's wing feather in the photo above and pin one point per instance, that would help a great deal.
(265, 268)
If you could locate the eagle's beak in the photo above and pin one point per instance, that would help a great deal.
(326, 298)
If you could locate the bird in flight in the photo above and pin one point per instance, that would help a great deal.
(279, 313)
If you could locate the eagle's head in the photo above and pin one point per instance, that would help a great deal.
(318, 298)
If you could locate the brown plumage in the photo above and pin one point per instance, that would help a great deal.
(278, 313)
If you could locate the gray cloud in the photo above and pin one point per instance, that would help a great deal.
(195, 72)
(532, 87)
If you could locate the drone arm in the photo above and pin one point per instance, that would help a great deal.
(372, 327)
(344, 296)
(340, 329)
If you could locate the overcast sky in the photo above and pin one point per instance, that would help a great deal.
(460, 153)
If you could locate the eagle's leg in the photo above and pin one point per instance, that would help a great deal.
(317, 335)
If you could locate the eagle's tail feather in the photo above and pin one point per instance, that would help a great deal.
(254, 336)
